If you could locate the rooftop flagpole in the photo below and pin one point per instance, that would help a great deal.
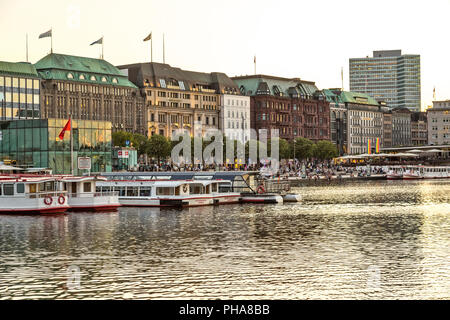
(164, 51)
(51, 40)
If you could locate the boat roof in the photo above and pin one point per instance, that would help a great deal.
(27, 179)
(83, 178)
(184, 175)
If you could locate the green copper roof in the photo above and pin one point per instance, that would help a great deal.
(81, 69)
(356, 97)
(339, 96)
(18, 69)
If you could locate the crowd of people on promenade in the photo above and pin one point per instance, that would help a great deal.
(313, 169)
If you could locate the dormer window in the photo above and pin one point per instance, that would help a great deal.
(93, 78)
(69, 76)
(114, 80)
(81, 77)
(104, 79)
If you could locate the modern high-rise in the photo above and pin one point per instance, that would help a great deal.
(388, 76)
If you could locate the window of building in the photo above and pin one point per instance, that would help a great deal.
(82, 77)
(163, 83)
(104, 79)
(114, 80)
(69, 76)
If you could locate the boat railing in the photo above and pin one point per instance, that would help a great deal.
(45, 194)
(94, 194)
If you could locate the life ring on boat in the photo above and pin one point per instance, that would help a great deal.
(48, 200)
(261, 189)
(61, 199)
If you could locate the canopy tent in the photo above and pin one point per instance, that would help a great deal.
(433, 150)
(416, 151)
(404, 155)
(4, 167)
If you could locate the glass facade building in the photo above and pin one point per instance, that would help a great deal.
(388, 76)
(35, 143)
(19, 91)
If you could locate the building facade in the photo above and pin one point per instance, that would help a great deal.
(388, 76)
(35, 143)
(401, 127)
(438, 118)
(89, 89)
(235, 117)
(295, 107)
(365, 122)
(338, 119)
(19, 91)
(178, 99)
(419, 129)
(387, 129)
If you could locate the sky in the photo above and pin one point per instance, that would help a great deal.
(311, 39)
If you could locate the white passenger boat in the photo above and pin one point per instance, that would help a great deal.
(24, 195)
(394, 173)
(168, 193)
(84, 196)
(427, 172)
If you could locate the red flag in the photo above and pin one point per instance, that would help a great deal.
(66, 128)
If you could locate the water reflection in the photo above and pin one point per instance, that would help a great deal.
(383, 239)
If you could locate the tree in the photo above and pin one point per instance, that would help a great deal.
(325, 150)
(140, 142)
(119, 138)
(159, 147)
(284, 149)
(304, 148)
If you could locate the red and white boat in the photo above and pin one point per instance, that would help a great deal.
(83, 195)
(426, 172)
(395, 173)
(28, 195)
(168, 193)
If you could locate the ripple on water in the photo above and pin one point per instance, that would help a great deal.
(364, 240)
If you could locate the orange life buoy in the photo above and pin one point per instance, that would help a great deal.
(261, 189)
(61, 199)
(48, 200)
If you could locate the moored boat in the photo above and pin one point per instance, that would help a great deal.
(82, 194)
(28, 195)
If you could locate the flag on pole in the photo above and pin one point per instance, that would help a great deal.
(149, 37)
(368, 147)
(67, 127)
(377, 147)
(99, 41)
(46, 34)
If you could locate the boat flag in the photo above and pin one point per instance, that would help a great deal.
(66, 128)
(368, 146)
(377, 146)
(149, 37)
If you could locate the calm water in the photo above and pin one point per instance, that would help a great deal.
(357, 240)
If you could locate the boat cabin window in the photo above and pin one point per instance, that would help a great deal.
(121, 191)
(20, 188)
(214, 187)
(164, 191)
(47, 186)
(145, 191)
(195, 189)
(87, 187)
(8, 189)
(132, 191)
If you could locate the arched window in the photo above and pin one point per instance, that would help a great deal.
(104, 79)
(69, 76)
(93, 78)
(82, 77)
(114, 80)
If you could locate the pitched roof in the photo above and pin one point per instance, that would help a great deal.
(277, 86)
(58, 66)
(153, 72)
(18, 69)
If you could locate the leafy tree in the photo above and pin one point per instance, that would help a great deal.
(304, 148)
(159, 147)
(325, 150)
(141, 143)
(120, 137)
(284, 149)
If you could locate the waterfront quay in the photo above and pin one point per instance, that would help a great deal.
(357, 240)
